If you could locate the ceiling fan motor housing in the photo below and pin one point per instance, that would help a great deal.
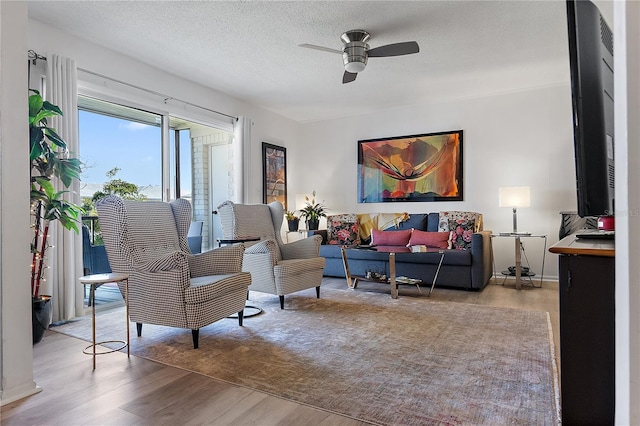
(354, 56)
(354, 53)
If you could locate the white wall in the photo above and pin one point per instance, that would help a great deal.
(16, 344)
(511, 139)
(267, 126)
(627, 132)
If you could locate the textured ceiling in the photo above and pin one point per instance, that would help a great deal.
(250, 50)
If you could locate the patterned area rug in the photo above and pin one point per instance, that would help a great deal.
(409, 361)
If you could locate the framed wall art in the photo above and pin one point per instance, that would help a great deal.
(425, 167)
(274, 169)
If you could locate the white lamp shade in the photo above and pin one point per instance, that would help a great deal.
(514, 196)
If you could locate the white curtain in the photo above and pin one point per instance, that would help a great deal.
(242, 159)
(65, 257)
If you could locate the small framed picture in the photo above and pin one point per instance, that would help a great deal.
(274, 168)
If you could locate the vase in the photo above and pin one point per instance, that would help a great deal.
(293, 224)
(40, 316)
(312, 225)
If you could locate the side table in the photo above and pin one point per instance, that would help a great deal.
(93, 281)
(518, 253)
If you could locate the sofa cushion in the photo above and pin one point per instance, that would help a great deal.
(390, 238)
(381, 221)
(439, 240)
(446, 217)
(342, 229)
(415, 221)
(461, 231)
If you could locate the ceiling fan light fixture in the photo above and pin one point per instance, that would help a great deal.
(354, 67)
(354, 57)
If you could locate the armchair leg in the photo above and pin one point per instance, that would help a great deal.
(139, 328)
(240, 316)
(247, 294)
(281, 302)
(318, 292)
(195, 334)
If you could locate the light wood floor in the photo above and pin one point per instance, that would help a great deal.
(125, 391)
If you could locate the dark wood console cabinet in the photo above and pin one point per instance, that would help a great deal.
(587, 330)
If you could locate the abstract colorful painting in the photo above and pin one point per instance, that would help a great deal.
(274, 164)
(424, 167)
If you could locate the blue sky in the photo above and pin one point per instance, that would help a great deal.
(108, 142)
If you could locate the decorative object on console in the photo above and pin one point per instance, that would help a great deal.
(274, 168)
(514, 197)
(426, 167)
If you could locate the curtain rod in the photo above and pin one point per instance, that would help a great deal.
(33, 56)
(162, 95)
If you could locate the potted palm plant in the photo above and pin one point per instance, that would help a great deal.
(313, 211)
(49, 161)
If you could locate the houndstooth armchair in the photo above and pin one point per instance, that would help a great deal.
(167, 284)
(275, 267)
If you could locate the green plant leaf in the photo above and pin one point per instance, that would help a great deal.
(48, 106)
(53, 137)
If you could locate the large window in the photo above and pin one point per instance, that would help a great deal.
(118, 146)
(122, 149)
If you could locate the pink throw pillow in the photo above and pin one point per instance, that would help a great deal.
(390, 238)
(430, 239)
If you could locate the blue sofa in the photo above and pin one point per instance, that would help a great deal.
(469, 269)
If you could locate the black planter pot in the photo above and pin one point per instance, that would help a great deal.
(293, 224)
(312, 225)
(40, 316)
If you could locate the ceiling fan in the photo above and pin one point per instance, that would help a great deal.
(356, 52)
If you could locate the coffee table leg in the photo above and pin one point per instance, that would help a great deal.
(433, 284)
(350, 283)
(392, 273)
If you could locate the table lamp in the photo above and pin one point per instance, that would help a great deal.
(514, 197)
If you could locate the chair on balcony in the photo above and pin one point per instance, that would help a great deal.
(275, 267)
(94, 260)
(194, 237)
(167, 284)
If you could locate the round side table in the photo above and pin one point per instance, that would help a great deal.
(93, 281)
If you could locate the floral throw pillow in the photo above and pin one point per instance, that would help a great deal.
(446, 217)
(343, 230)
(461, 232)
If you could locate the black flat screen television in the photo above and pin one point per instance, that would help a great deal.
(591, 65)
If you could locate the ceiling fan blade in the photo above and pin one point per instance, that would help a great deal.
(324, 49)
(395, 49)
(348, 77)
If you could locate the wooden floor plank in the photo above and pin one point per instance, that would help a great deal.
(127, 391)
